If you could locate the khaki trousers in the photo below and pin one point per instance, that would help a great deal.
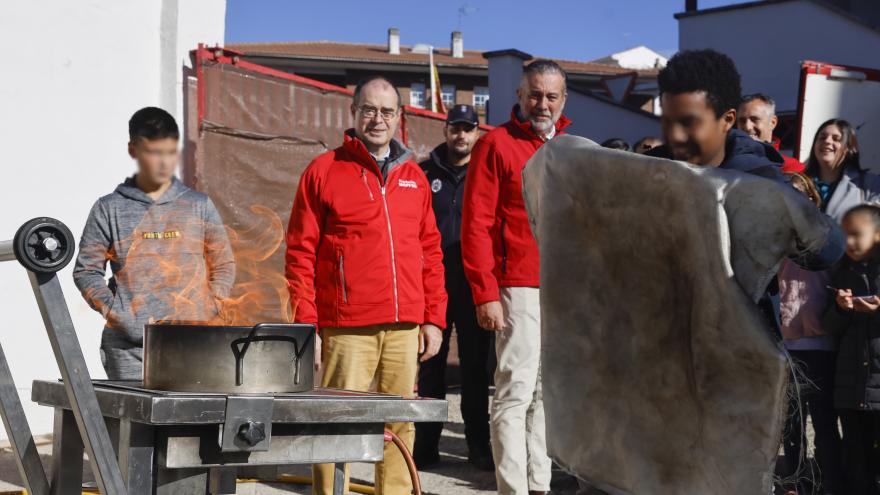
(352, 358)
(518, 433)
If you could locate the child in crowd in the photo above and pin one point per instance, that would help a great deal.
(803, 299)
(856, 322)
(803, 184)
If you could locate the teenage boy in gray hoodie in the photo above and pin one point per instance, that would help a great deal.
(166, 244)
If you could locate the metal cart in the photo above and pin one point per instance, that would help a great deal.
(142, 441)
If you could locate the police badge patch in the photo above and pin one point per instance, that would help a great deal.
(436, 185)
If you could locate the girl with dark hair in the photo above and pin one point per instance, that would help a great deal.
(835, 169)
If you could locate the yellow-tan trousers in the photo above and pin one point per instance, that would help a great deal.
(352, 359)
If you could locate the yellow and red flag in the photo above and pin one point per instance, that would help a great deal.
(438, 92)
(436, 88)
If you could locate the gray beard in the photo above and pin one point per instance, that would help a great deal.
(541, 128)
(536, 127)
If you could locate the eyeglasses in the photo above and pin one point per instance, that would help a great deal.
(370, 112)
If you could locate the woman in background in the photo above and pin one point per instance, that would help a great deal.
(835, 169)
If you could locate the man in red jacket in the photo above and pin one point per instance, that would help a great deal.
(501, 263)
(756, 116)
(364, 264)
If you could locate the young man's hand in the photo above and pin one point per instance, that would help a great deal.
(866, 304)
(490, 316)
(430, 339)
(844, 299)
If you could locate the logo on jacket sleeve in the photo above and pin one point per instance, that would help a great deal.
(436, 185)
(411, 184)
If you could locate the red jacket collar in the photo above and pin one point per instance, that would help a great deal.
(775, 142)
(356, 149)
(526, 126)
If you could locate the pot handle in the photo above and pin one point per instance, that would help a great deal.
(240, 348)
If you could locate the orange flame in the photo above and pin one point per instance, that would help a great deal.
(260, 292)
(177, 279)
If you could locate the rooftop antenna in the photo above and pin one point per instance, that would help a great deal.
(465, 10)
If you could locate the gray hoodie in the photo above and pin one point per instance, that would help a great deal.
(170, 258)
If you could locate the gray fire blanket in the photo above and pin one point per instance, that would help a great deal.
(660, 375)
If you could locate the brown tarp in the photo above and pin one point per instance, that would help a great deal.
(257, 135)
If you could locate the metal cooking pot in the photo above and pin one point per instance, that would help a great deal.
(265, 358)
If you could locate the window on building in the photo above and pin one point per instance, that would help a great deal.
(447, 93)
(417, 95)
(481, 96)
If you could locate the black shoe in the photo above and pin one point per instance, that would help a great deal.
(425, 460)
(482, 459)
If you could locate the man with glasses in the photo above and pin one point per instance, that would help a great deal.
(364, 264)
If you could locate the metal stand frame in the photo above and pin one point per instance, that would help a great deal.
(77, 383)
(45, 246)
(144, 442)
(26, 457)
(17, 428)
(168, 441)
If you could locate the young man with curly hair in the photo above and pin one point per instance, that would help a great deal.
(699, 95)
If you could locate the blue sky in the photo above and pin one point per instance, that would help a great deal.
(568, 29)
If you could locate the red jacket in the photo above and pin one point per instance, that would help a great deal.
(498, 249)
(789, 164)
(362, 250)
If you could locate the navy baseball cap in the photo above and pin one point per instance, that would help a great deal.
(462, 114)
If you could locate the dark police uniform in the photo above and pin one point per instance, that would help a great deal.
(475, 345)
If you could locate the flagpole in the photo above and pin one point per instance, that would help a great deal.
(431, 75)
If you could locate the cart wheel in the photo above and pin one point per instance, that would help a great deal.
(43, 245)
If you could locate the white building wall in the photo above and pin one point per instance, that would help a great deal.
(598, 120)
(768, 43)
(640, 57)
(73, 73)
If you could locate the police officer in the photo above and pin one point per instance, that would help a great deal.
(446, 169)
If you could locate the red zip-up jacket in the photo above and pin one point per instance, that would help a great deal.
(363, 250)
(498, 249)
